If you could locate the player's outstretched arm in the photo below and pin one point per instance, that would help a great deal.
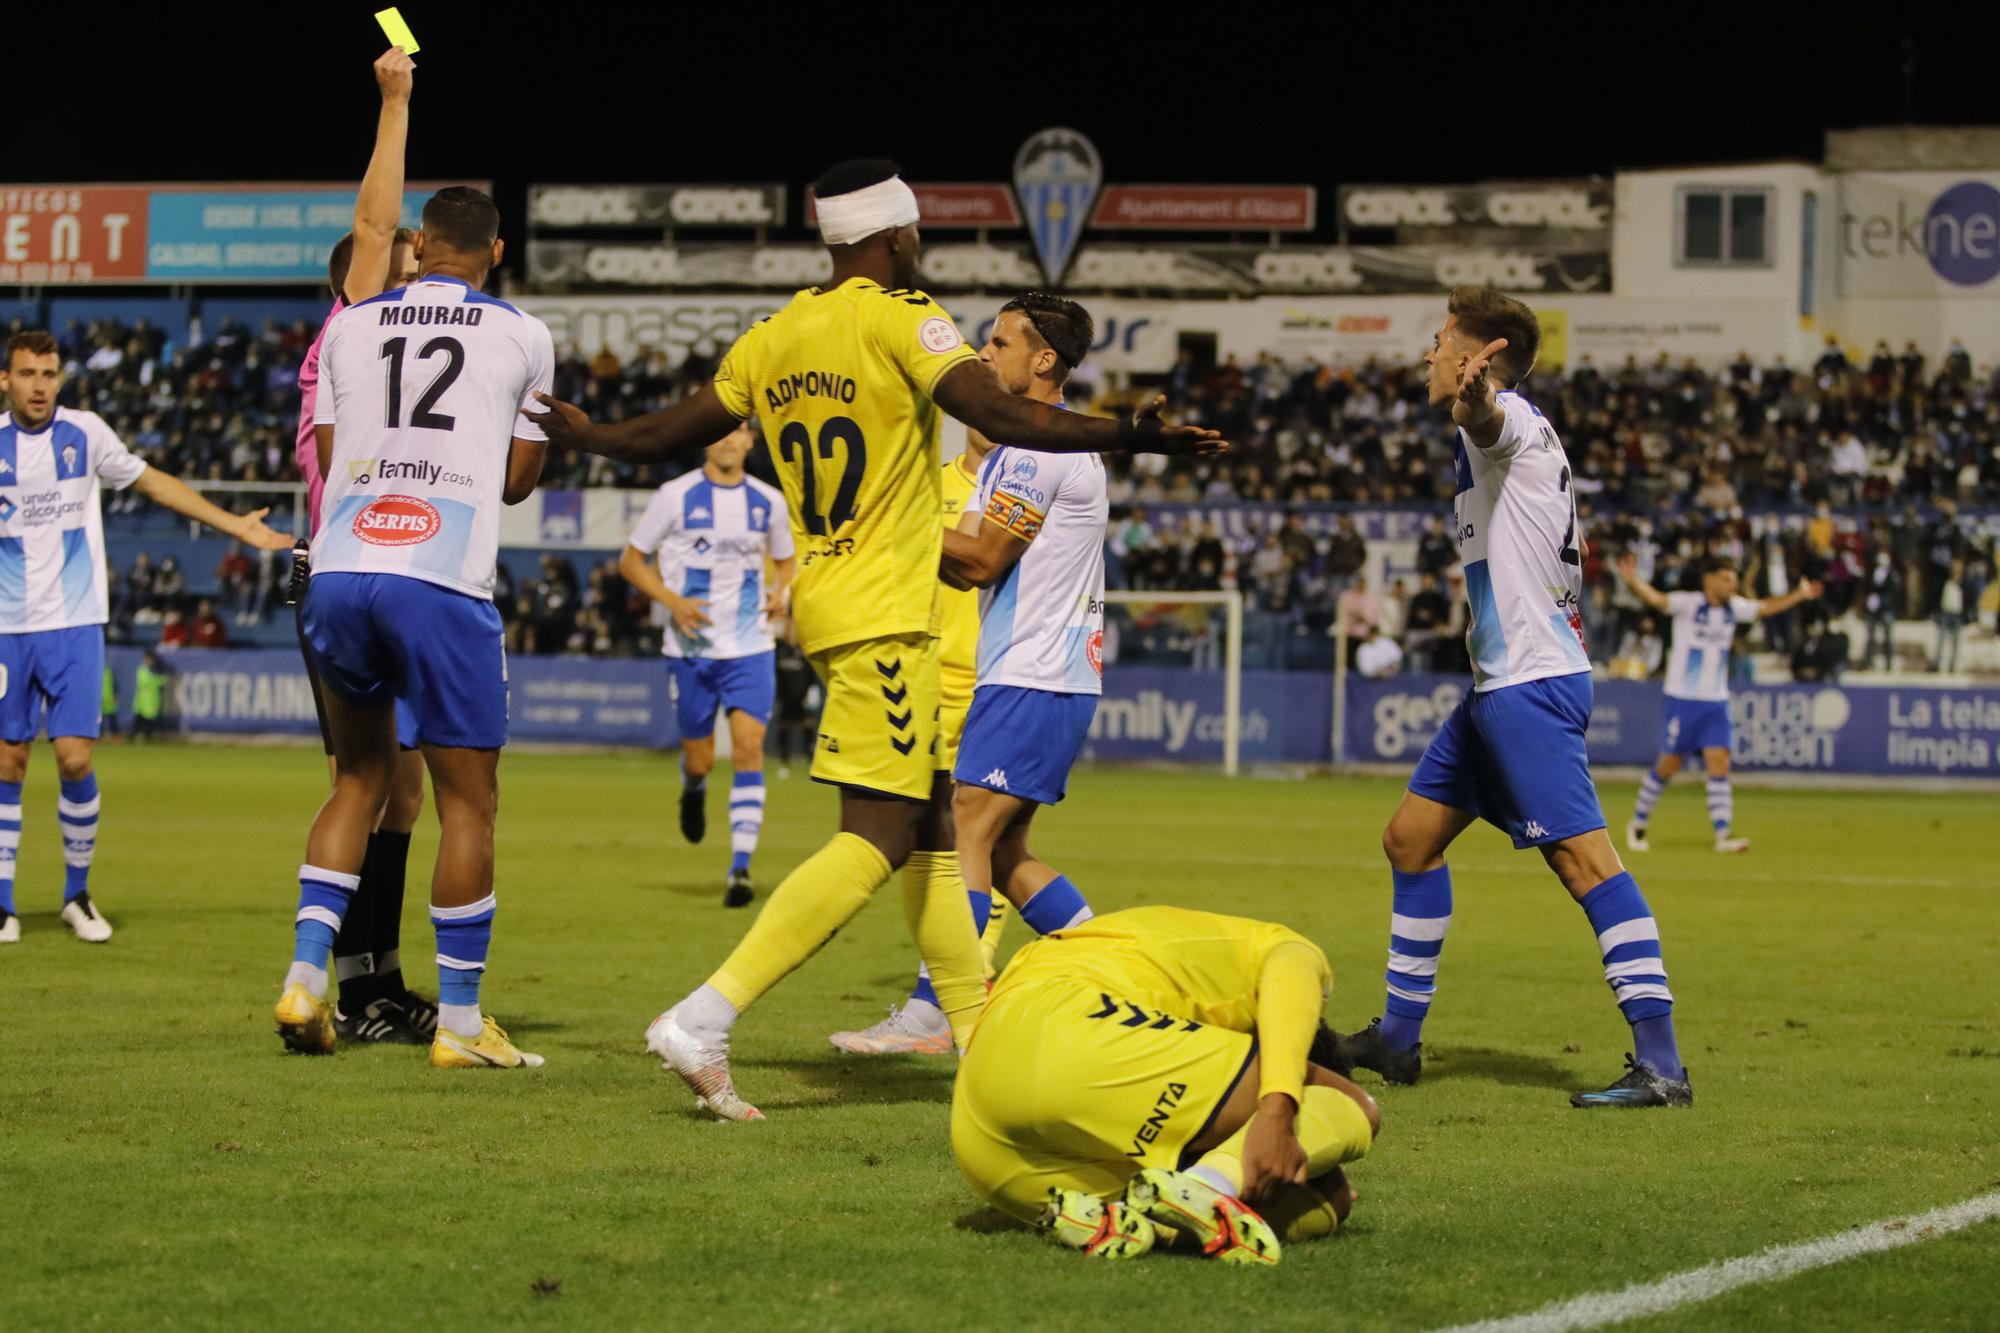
(379, 205)
(1628, 570)
(1807, 591)
(695, 422)
(171, 492)
(973, 394)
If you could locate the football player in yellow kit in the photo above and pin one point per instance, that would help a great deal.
(1150, 1068)
(848, 382)
(1035, 342)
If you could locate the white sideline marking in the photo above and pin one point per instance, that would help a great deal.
(1706, 1283)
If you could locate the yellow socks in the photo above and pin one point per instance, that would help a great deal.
(813, 902)
(1333, 1130)
(935, 906)
(996, 923)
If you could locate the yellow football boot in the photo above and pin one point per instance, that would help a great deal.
(304, 1021)
(490, 1050)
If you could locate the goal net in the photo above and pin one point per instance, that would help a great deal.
(1173, 679)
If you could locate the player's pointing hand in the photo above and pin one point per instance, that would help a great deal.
(1474, 389)
(394, 73)
(564, 423)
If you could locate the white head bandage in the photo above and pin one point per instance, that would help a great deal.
(847, 218)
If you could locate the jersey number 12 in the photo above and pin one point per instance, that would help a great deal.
(425, 417)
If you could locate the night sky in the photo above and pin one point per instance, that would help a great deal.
(751, 93)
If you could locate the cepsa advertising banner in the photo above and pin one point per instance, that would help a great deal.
(79, 235)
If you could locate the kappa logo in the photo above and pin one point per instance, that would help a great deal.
(997, 778)
(398, 520)
(1534, 830)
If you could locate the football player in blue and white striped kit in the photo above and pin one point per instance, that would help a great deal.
(1697, 714)
(53, 603)
(1512, 752)
(713, 530)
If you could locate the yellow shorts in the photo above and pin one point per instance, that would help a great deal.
(951, 727)
(878, 728)
(1066, 1087)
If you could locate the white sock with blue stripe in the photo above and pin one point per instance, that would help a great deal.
(323, 898)
(1420, 913)
(76, 811)
(1651, 788)
(10, 842)
(463, 936)
(1721, 805)
(1629, 939)
(746, 818)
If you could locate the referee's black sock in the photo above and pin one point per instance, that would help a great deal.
(355, 960)
(389, 862)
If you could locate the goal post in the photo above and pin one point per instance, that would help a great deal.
(1182, 641)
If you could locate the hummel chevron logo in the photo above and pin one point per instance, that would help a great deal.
(901, 723)
(905, 745)
(891, 670)
(997, 778)
(1139, 1017)
(897, 695)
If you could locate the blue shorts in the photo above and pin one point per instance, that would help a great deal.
(701, 685)
(1515, 757)
(1023, 742)
(62, 667)
(375, 638)
(1694, 725)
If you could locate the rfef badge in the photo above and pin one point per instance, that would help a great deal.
(1056, 176)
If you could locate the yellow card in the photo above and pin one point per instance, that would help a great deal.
(397, 31)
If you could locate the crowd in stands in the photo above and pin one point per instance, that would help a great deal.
(1848, 472)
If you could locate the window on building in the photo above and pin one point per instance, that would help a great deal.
(1723, 227)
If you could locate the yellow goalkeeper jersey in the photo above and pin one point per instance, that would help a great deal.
(840, 381)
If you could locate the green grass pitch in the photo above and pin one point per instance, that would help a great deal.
(163, 1164)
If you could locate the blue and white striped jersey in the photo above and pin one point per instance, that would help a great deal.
(51, 526)
(1041, 627)
(1517, 533)
(712, 542)
(1698, 664)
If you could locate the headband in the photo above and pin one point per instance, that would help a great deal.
(858, 214)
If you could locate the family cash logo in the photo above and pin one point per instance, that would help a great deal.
(1057, 175)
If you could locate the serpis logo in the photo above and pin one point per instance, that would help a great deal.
(1962, 234)
(398, 520)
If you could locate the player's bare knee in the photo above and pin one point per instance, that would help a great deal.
(73, 762)
(1407, 852)
(13, 760)
(698, 761)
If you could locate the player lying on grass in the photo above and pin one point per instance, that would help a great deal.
(1033, 542)
(1697, 688)
(54, 462)
(848, 382)
(1149, 1069)
(1513, 752)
